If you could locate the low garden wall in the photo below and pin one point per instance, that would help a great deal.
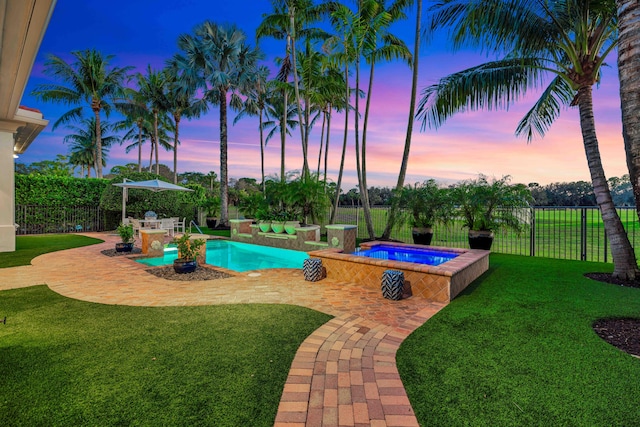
(307, 238)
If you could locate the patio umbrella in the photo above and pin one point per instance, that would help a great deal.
(152, 184)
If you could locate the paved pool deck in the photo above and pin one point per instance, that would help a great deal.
(343, 374)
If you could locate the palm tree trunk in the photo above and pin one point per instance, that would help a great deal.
(296, 86)
(224, 179)
(629, 73)
(324, 122)
(393, 213)
(326, 146)
(176, 117)
(334, 212)
(155, 132)
(139, 148)
(365, 189)
(624, 260)
(96, 112)
(283, 135)
(151, 153)
(264, 188)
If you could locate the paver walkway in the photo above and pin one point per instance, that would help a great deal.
(344, 374)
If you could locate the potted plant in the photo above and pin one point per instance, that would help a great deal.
(278, 216)
(291, 221)
(212, 204)
(188, 250)
(125, 231)
(263, 218)
(488, 205)
(426, 204)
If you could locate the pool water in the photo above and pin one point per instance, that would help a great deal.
(238, 256)
(399, 253)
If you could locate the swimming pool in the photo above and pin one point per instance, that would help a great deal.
(407, 254)
(238, 256)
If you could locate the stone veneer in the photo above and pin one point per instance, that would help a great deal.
(339, 236)
(437, 283)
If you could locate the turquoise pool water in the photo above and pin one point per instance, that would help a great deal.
(398, 253)
(238, 256)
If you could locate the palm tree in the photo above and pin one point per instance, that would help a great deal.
(343, 45)
(330, 98)
(89, 82)
(152, 88)
(569, 39)
(275, 124)
(256, 105)
(83, 144)
(393, 212)
(629, 70)
(379, 45)
(291, 21)
(218, 60)
(138, 120)
(181, 102)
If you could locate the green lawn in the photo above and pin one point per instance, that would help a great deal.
(29, 247)
(66, 362)
(517, 348)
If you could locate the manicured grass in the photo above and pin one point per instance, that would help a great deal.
(68, 362)
(222, 233)
(29, 247)
(517, 348)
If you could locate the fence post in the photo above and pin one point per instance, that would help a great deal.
(532, 233)
(583, 234)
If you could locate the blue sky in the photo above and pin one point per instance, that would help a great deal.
(141, 32)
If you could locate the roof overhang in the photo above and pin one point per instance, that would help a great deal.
(22, 27)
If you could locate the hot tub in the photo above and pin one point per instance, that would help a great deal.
(439, 283)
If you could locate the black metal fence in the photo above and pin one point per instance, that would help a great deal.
(35, 219)
(555, 232)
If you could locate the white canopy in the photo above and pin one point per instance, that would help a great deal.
(152, 184)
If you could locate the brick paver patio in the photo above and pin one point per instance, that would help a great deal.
(344, 374)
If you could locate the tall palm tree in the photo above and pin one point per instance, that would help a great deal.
(628, 71)
(181, 102)
(275, 124)
(256, 105)
(393, 212)
(569, 39)
(138, 119)
(137, 129)
(90, 81)
(330, 97)
(380, 45)
(342, 45)
(83, 146)
(153, 87)
(219, 60)
(292, 20)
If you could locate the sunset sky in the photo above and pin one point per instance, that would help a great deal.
(141, 32)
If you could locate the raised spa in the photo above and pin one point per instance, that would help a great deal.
(407, 254)
(439, 283)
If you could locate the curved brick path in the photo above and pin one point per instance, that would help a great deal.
(344, 374)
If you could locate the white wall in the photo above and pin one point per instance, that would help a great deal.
(7, 193)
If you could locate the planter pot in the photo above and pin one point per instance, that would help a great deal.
(290, 226)
(480, 239)
(212, 222)
(422, 235)
(181, 266)
(265, 226)
(277, 226)
(124, 247)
